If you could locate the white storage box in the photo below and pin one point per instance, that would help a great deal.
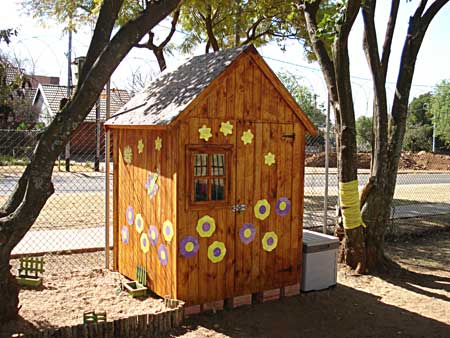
(319, 261)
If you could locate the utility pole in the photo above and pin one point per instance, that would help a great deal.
(434, 133)
(69, 93)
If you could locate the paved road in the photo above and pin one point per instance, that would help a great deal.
(95, 182)
(318, 180)
(43, 241)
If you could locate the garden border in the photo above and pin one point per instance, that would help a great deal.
(147, 325)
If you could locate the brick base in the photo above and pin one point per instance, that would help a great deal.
(235, 302)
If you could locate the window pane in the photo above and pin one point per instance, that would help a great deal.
(218, 165)
(200, 164)
(218, 189)
(200, 189)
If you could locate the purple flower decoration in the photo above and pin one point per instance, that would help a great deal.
(247, 233)
(189, 246)
(283, 206)
(125, 234)
(130, 215)
(163, 254)
(153, 234)
(151, 185)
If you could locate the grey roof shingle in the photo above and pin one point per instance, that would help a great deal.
(168, 95)
(54, 94)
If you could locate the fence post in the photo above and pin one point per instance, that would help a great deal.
(107, 171)
(327, 147)
(97, 135)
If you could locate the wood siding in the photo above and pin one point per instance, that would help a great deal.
(248, 100)
(243, 93)
(131, 179)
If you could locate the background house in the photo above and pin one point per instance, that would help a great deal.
(47, 100)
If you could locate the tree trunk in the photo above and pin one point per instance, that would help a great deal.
(211, 37)
(20, 212)
(364, 249)
(9, 290)
(159, 54)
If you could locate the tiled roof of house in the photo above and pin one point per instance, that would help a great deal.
(55, 93)
(168, 95)
(12, 73)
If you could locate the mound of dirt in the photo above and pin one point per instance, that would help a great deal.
(318, 160)
(408, 161)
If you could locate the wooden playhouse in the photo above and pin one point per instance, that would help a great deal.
(208, 180)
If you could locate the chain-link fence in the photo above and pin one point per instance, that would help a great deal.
(422, 189)
(73, 220)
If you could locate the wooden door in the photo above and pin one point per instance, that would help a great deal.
(269, 186)
(207, 174)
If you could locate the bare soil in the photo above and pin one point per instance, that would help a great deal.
(411, 301)
(65, 296)
(408, 161)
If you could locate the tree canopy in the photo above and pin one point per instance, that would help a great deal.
(305, 98)
(440, 110)
(364, 133)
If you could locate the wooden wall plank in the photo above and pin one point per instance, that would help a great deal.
(116, 175)
(239, 92)
(231, 97)
(249, 111)
(264, 225)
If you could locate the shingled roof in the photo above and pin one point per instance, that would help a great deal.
(55, 93)
(168, 95)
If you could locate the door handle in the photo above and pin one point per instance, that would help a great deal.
(239, 208)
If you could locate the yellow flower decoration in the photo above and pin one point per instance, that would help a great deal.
(140, 146)
(145, 243)
(269, 159)
(158, 143)
(127, 154)
(206, 226)
(226, 128)
(262, 209)
(139, 222)
(247, 137)
(167, 230)
(216, 251)
(269, 241)
(205, 133)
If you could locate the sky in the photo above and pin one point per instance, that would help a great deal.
(43, 52)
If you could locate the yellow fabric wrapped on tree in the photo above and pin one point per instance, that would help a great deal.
(349, 198)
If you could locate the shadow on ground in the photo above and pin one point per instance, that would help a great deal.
(338, 312)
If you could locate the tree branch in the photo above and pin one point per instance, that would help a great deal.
(389, 36)
(176, 16)
(417, 28)
(102, 34)
(431, 12)
(380, 114)
(54, 138)
(310, 9)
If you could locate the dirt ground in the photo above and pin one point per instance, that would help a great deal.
(65, 296)
(412, 301)
(408, 161)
